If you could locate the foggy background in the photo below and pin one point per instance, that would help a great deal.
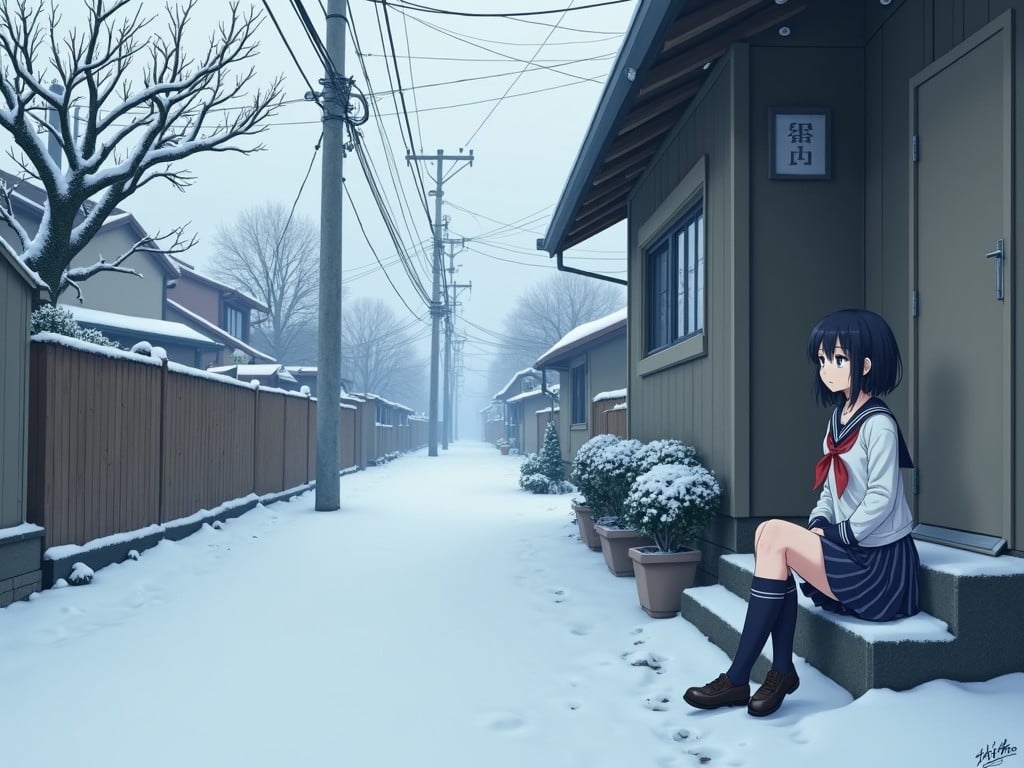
(518, 92)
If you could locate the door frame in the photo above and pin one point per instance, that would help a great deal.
(1001, 24)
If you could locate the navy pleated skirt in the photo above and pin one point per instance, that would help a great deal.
(872, 583)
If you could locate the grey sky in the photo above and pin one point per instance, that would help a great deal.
(523, 152)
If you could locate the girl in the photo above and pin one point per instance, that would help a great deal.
(856, 555)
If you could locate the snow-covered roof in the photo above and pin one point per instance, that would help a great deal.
(385, 401)
(34, 197)
(527, 395)
(515, 377)
(28, 275)
(246, 372)
(139, 326)
(219, 332)
(580, 336)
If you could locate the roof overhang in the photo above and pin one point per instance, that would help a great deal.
(662, 65)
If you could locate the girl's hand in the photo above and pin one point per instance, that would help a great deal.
(818, 531)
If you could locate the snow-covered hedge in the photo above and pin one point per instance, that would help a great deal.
(53, 318)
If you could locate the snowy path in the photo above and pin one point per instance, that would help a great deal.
(442, 617)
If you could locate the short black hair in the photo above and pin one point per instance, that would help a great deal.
(863, 334)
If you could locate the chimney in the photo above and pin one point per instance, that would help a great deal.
(53, 118)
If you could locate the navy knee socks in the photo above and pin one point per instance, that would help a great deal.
(771, 610)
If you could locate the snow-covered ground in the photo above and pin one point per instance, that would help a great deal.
(442, 617)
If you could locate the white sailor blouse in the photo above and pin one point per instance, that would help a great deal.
(862, 500)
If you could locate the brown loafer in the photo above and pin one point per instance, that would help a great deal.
(720, 692)
(769, 696)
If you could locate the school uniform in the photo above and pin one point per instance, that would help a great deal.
(870, 559)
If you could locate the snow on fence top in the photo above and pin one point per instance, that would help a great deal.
(613, 394)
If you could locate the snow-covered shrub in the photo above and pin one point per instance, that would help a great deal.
(534, 478)
(502, 442)
(583, 467)
(658, 452)
(80, 575)
(53, 318)
(551, 455)
(614, 470)
(535, 483)
(672, 503)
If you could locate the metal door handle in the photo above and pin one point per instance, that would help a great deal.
(998, 255)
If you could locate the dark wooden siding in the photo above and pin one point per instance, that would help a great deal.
(806, 260)
(15, 306)
(692, 401)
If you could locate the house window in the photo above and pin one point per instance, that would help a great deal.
(234, 322)
(675, 282)
(579, 394)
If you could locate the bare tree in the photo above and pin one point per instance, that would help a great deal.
(545, 313)
(379, 351)
(274, 257)
(124, 106)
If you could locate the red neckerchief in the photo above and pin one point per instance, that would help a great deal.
(831, 459)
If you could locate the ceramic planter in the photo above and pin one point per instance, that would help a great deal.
(585, 522)
(616, 543)
(503, 449)
(661, 578)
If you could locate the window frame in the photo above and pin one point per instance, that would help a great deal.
(670, 325)
(579, 398)
(689, 195)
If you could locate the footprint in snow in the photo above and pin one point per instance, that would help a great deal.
(657, 704)
(502, 721)
(580, 630)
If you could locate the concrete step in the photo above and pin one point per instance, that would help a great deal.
(969, 628)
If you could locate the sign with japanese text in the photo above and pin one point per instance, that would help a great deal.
(799, 144)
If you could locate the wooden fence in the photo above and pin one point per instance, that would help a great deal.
(607, 419)
(118, 442)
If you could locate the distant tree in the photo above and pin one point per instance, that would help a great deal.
(125, 105)
(275, 259)
(379, 352)
(545, 313)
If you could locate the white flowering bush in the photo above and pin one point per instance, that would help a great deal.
(583, 473)
(614, 470)
(672, 504)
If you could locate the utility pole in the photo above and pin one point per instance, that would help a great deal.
(328, 373)
(436, 305)
(449, 329)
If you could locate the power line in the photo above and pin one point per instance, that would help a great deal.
(287, 45)
(454, 36)
(366, 237)
(500, 60)
(407, 5)
(513, 83)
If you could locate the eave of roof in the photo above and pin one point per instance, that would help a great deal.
(205, 326)
(187, 270)
(34, 198)
(35, 282)
(559, 355)
(668, 46)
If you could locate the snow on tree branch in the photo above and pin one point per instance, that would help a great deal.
(179, 244)
(123, 101)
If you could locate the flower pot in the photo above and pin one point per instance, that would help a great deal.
(616, 543)
(585, 522)
(504, 450)
(661, 578)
